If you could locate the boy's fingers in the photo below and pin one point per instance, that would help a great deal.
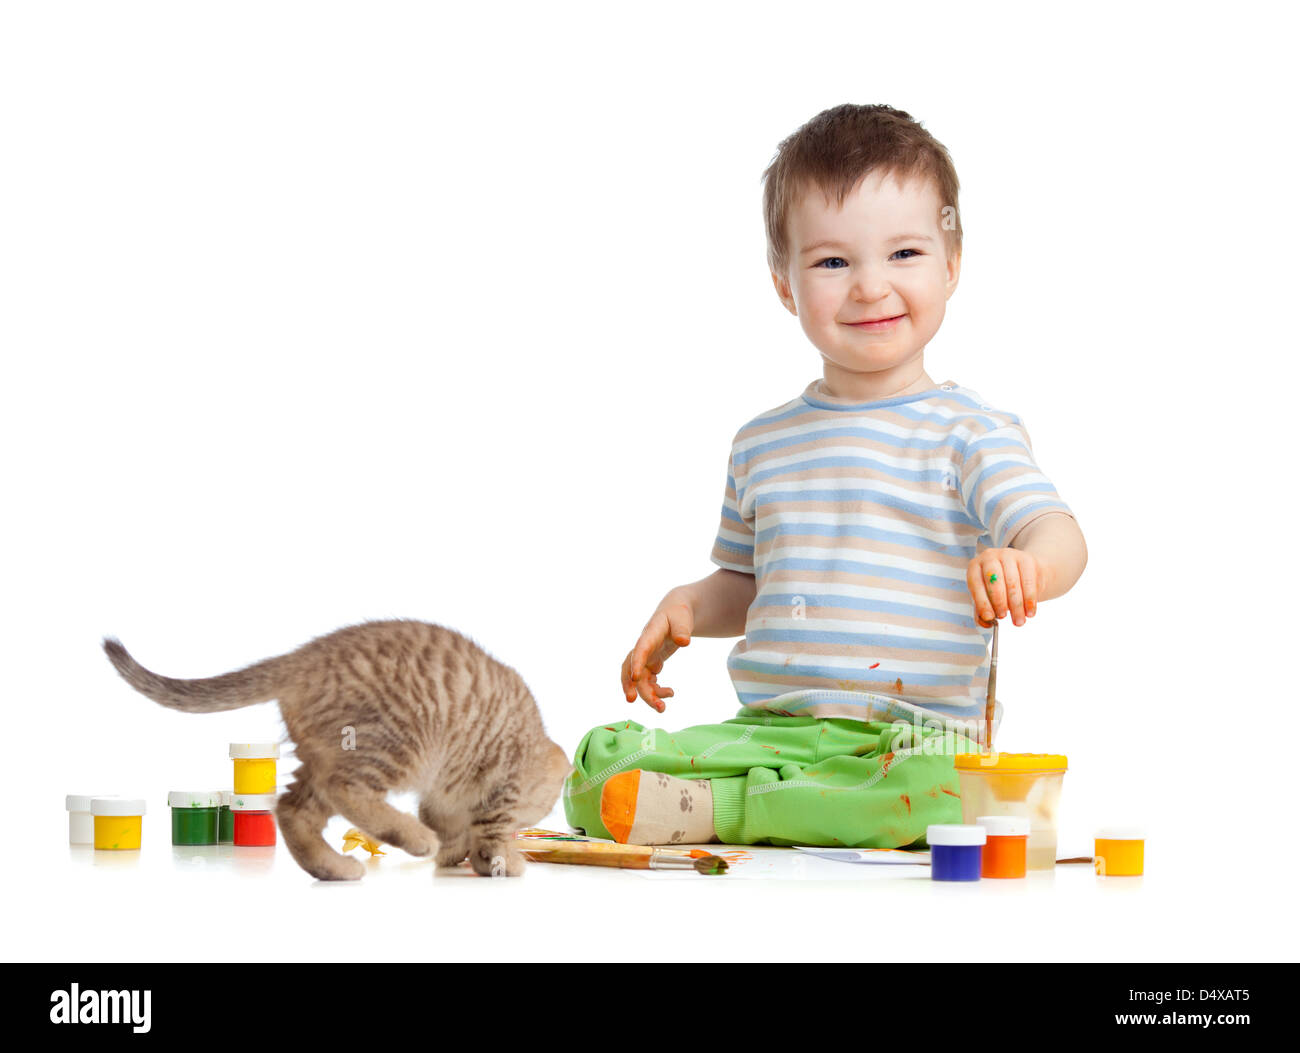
(625, 677)
(644, 689)
(979, 594)
(651, 637)
(679, 625)
(1029, 585)
(660, 690)
(995, 584)
(651, 699)
(1015, 592)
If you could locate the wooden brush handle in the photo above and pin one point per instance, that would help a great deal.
(630, 857)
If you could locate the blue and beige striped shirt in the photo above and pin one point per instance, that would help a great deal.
(858, 521)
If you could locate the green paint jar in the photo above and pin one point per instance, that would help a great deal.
(194, 816)
(226, 821)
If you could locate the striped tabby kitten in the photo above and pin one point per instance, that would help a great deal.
(430, 712)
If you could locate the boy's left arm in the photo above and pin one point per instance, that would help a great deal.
(1043, 561)
(1056, 541)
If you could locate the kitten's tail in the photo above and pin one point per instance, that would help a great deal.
(246, 687)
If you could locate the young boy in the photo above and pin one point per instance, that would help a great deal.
(872, 529)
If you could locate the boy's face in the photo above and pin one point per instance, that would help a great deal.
(882, 256)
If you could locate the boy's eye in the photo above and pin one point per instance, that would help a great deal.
(840, 259)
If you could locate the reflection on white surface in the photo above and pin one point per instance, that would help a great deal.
(115, 859)
(405, 909)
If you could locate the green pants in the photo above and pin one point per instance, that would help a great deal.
(787, 780)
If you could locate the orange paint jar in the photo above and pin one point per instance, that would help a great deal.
(1006, 849)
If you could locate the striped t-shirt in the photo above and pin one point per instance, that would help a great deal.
(858, 520)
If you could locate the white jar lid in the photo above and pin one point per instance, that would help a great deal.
(1121, 833)
(194, 798)
(117, 806)
(252, 802)
(78, 802)
(254, 750)
(226, 797)
(1004, 825)
(955, 834)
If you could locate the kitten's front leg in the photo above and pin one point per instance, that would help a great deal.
(453, 837)
(451, 853)
(492, 848)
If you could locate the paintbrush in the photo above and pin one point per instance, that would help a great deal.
(991, 703)
(628, 857)
(534, 834)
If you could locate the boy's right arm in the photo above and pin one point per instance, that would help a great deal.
(712, 606)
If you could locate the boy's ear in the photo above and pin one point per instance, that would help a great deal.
(783, 291)
(954, 272)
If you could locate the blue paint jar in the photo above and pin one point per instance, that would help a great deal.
(956, 851)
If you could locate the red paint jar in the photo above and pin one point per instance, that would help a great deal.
(254, 818)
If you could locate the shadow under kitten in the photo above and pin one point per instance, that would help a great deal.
(430, 712)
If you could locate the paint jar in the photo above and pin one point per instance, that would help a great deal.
(1118, 851)
(194, 816)
(955, 851)
(1006, 848)
(254, 818)
(254, 766)
(1023, 784)
(81, 824)
(117, 821)
(225, 820)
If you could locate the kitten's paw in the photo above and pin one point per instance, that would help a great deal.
(419, 844)
(342, 868)
(496, 860)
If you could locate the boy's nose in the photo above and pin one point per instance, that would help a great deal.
(869, 286)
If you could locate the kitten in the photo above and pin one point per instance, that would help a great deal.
(431, 711)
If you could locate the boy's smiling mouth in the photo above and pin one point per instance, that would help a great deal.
(873, 324)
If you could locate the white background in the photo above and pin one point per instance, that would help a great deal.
(315, 313)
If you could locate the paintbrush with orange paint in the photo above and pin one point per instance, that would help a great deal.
(546, 847)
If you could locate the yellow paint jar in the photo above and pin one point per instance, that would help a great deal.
(1118, 851)
(254, 766)
(117, 821)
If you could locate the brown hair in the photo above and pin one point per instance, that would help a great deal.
(834, 150)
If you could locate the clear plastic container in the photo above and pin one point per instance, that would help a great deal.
(1023, 784)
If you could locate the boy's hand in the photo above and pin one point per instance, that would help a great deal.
(668, 629)
(1004, 581)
